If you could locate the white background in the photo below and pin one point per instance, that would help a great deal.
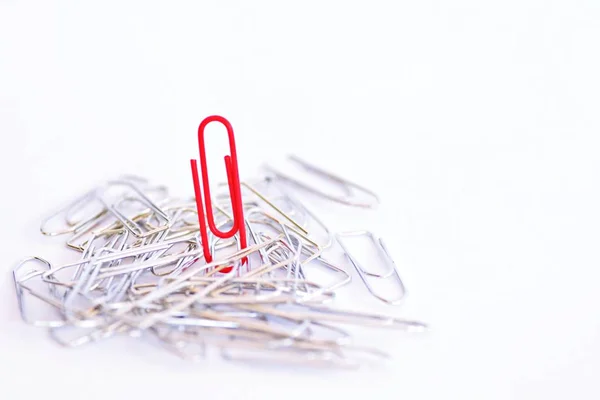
(476, 122)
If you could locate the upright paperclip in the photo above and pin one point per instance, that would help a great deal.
(235, 191)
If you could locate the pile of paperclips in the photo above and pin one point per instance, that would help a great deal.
(142, 271)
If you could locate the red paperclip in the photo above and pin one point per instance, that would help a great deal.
(235, 191)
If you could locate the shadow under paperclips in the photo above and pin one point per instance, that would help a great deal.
(213, 360)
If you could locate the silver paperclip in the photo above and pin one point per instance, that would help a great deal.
(345, 184)
(391, 271)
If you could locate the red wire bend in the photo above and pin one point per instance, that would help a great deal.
(235, 191)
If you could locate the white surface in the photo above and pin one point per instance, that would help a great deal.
(485, 115)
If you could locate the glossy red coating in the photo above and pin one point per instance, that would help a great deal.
(235, 191)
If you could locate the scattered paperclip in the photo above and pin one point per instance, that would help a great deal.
(391, 272)
(350, 198)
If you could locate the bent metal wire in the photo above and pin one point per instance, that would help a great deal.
(143, 272)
